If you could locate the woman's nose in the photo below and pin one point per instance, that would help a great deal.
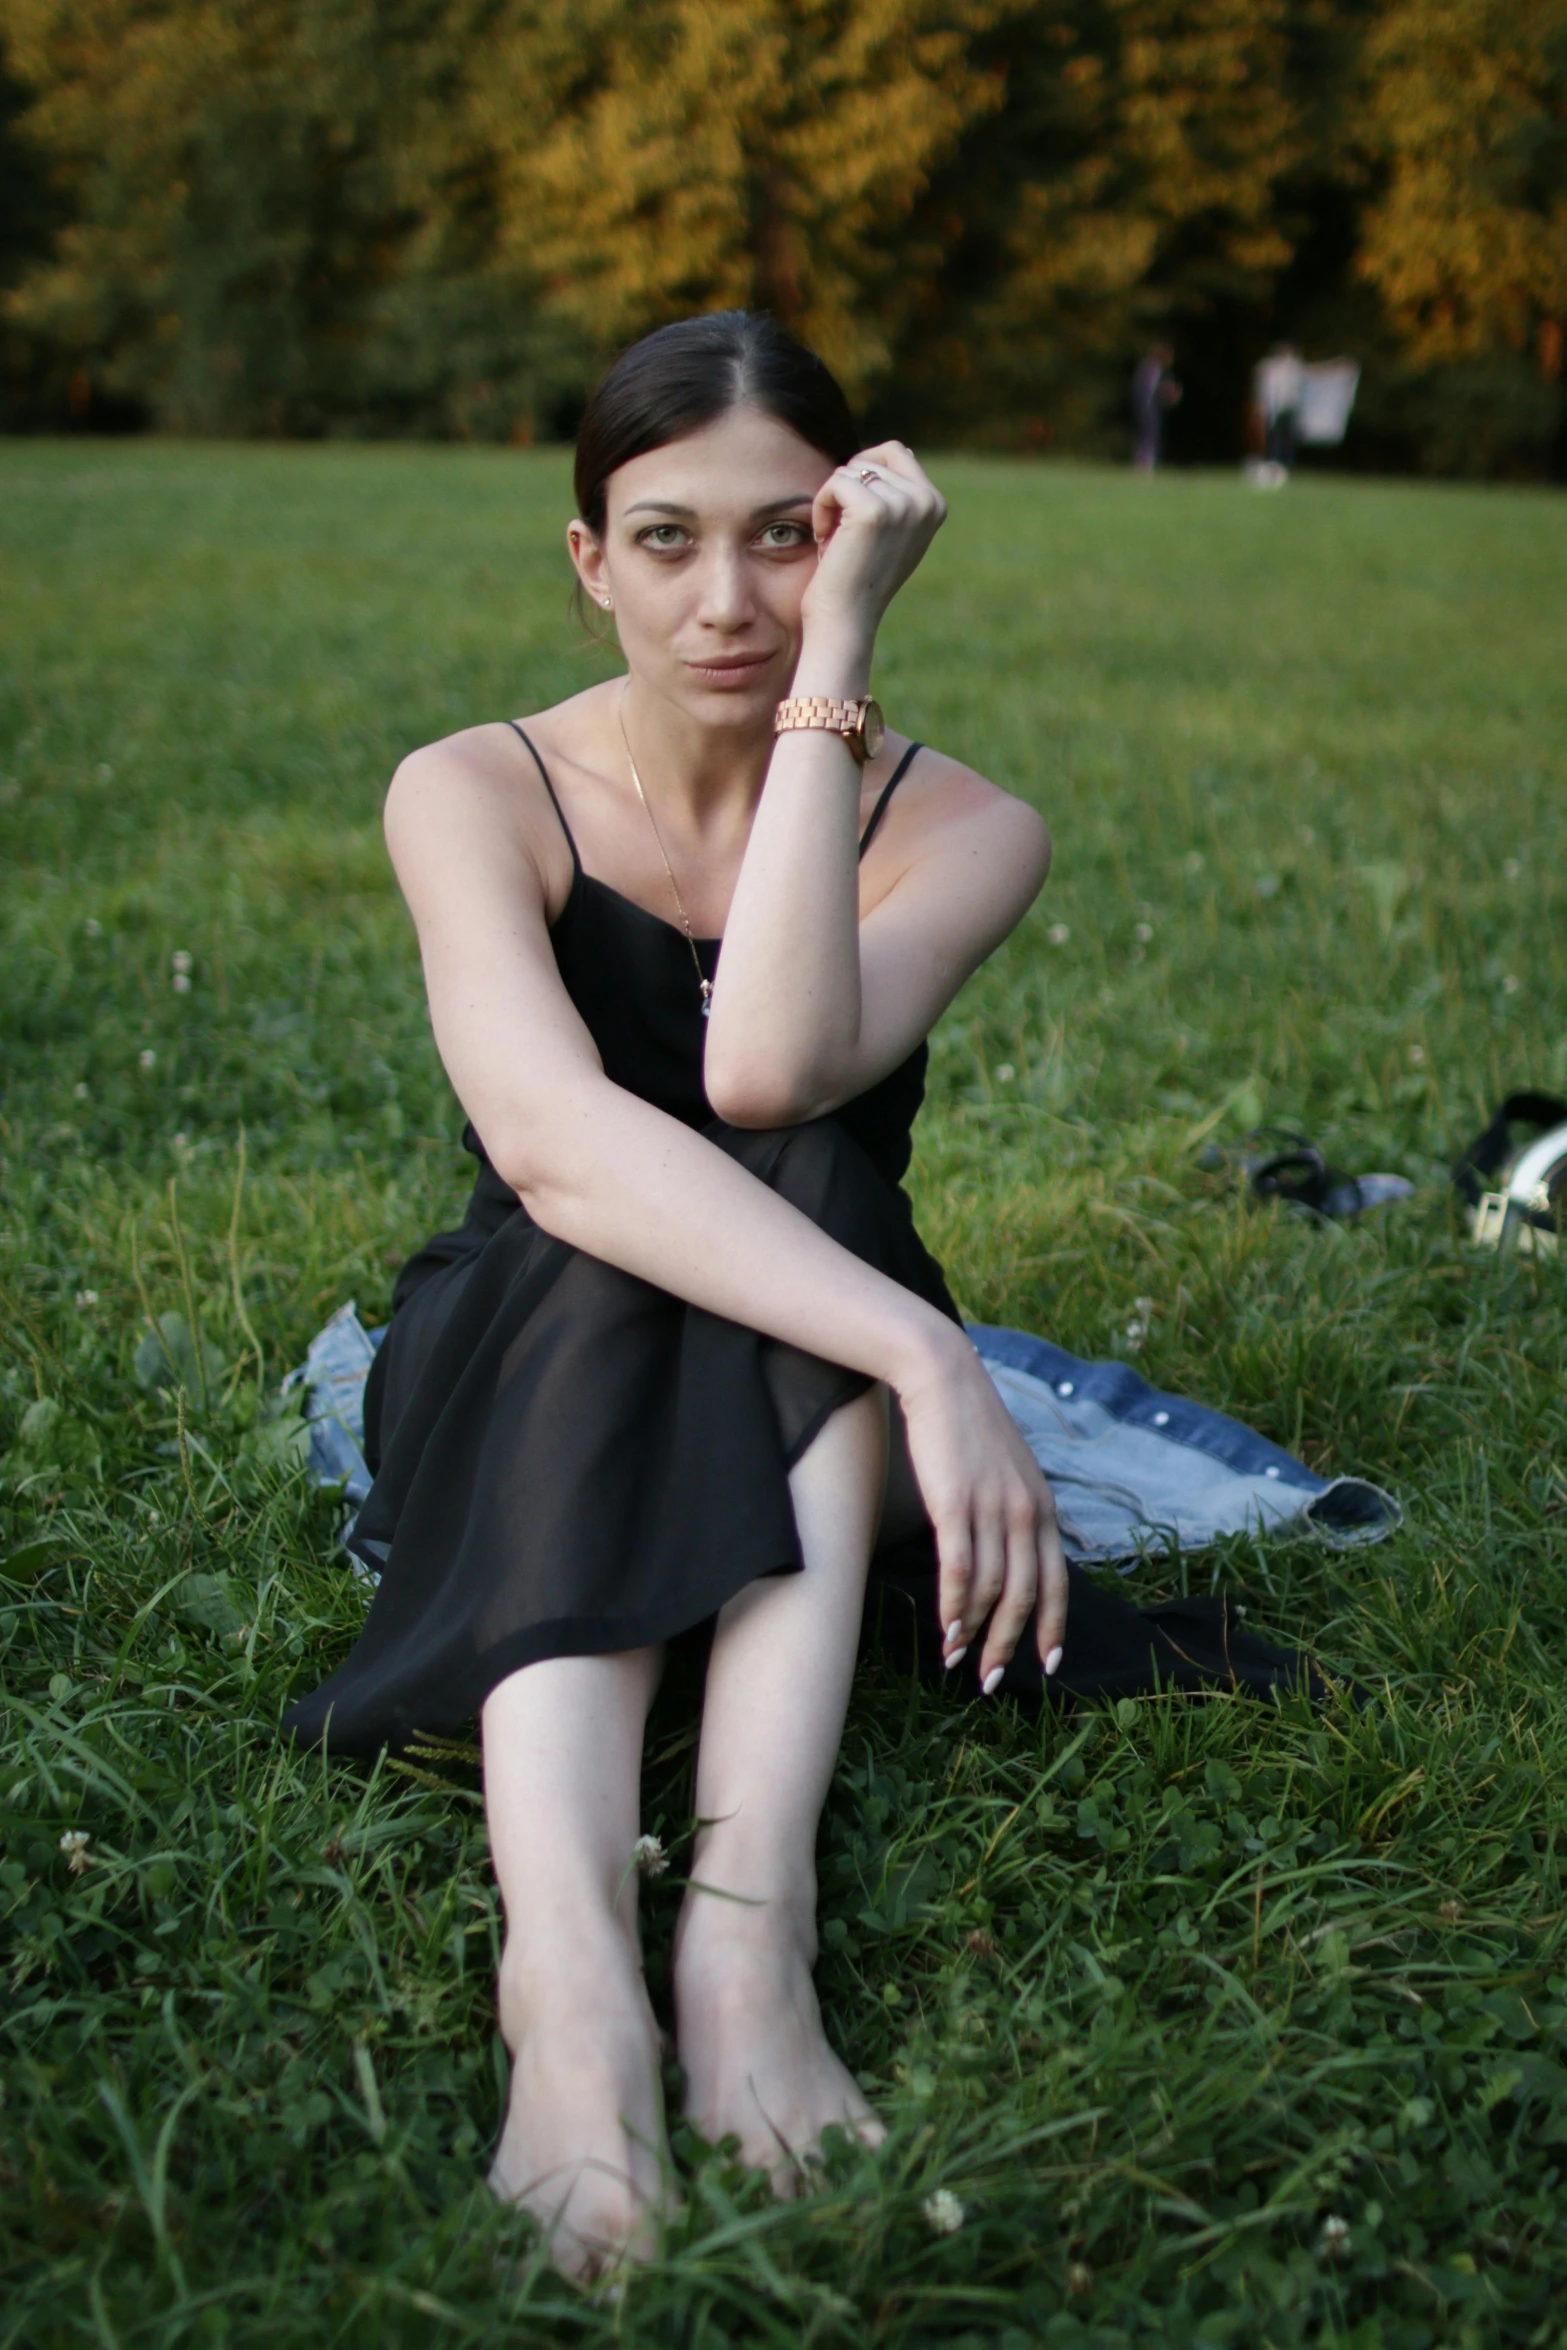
(726, 600)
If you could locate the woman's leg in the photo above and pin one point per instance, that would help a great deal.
(756, 2060)
(584, 2146)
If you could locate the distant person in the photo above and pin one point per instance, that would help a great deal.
(1278, 385)
(1327, 400)
(1154, 392)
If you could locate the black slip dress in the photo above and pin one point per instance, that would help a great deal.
(569, 1461)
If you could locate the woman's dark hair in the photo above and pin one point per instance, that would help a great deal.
(685, 376)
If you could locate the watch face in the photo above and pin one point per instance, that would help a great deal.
(874, 729)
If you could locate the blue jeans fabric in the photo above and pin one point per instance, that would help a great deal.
(1136, 1473)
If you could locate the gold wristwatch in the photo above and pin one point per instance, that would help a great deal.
(860, 723)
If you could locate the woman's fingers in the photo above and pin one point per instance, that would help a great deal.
(989, 1577)
(1033, 1591)
(999, 1555)
(873, 520)
(897, 460)
(972, 1558)
(954, 1577)
(1015, 1608)
(1050, 1622)
(884, 484)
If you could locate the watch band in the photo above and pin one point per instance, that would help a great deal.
(830, 715)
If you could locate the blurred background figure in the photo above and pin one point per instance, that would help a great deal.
(1154, 391)
(1277, 385)
(1296, 404)
(1327, 396)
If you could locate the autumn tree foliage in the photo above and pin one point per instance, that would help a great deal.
(706, 154)
(438, 216)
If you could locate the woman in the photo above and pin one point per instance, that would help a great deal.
(686, 1361)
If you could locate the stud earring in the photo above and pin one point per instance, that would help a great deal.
(607, 602)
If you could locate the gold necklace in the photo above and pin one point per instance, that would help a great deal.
(702, 980)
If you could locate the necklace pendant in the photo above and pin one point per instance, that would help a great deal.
(707, 998)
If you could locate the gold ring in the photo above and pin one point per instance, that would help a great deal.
(869, 473)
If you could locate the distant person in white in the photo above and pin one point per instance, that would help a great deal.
(1298, 404)
(1277, 384)
(1327, 395)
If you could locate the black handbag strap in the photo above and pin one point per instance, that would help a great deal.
(1489, 1152)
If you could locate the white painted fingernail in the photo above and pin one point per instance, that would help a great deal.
(1052, 1660)
(955, 1628)
(956, 1658)
(993, 1679)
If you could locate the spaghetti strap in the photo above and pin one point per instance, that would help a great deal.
(576, 861)
(880, 809)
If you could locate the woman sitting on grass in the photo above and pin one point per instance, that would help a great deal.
(686, 1362)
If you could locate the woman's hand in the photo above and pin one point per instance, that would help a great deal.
(873, 520)
(997, 1540)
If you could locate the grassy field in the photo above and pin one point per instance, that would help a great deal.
(1220, 2023)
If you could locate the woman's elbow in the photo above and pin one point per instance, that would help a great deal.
(751, 1097)
(542, 1184)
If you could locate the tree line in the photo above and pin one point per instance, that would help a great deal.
(438, 217)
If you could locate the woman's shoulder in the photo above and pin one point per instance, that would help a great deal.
(940, 797)
(481, 756)
(482, 790)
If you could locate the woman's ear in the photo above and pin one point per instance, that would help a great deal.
(588, 557)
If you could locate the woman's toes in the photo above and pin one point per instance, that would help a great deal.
(584, 2149)
(601, 2224)
(758, 2065)
(592, 2217)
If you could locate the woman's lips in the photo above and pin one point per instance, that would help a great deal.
(731, 668)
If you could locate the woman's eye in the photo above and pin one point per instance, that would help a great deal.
(663, 534)
(785, 534)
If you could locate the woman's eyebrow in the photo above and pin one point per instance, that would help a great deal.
(689, 514)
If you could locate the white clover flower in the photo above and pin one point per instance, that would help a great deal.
(86, 1298)
(1058, 933)
(181, 983)
(1511, 984)
(1005, 1073)
(1417, 1056)
(80, 1090)
(181, 960)
(943, 2212)
(1334, 2241)
(1144, 931)
(93, 927)
(649, 1857)
(74, 1845)
(146, 1058)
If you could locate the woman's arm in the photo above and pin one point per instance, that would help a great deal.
(599, 1168)
(813, 1004)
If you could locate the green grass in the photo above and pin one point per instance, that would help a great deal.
(1156, 1992)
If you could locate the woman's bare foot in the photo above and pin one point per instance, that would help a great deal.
(756, 2060)
(584, 2147)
